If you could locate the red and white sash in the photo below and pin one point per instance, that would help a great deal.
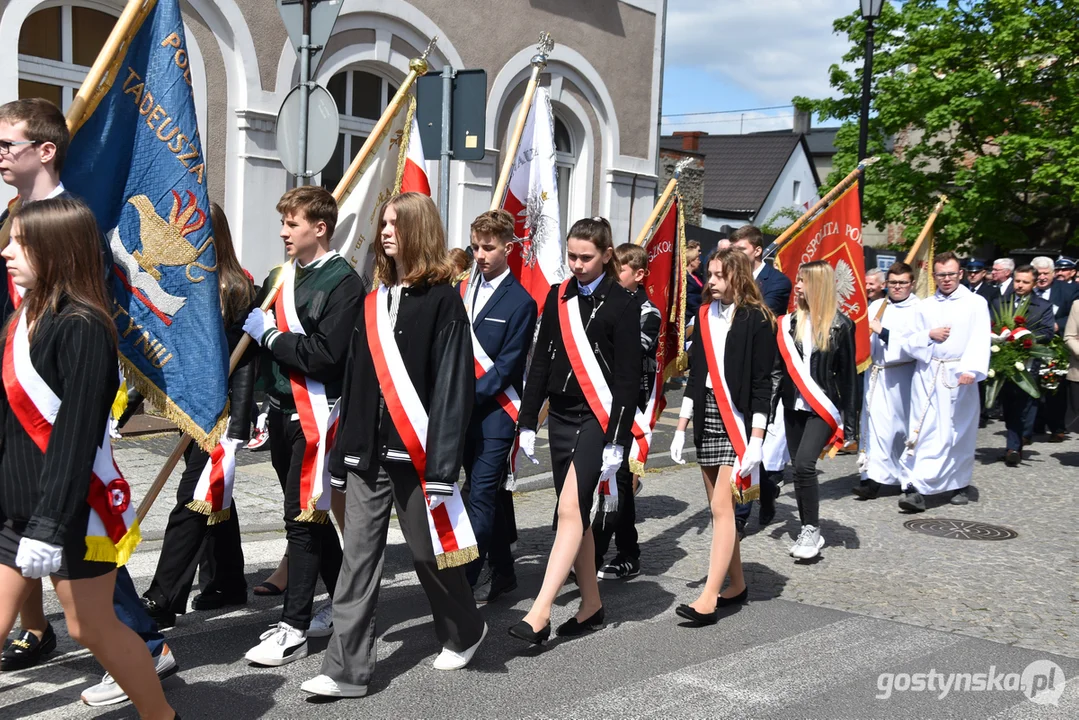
(508, 399)
(594, 386)
(811, 391)
(733, 420)
(317, 420)
(213, 493)
(112, 531)
(451, 532)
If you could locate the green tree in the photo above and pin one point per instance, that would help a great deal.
(982, 100)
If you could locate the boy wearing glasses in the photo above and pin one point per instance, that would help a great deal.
(886, 404)
(950, 342)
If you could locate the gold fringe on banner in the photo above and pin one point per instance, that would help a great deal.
(103, 549)
(402, 146)
(157, 397)
(457, 558)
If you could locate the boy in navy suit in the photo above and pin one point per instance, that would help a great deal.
(503, 317)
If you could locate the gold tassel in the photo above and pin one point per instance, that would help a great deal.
(636, 466)
(220, 516)
(101, 548)
(457, 558)
(202, 507)
(314, 516)
(744, 496)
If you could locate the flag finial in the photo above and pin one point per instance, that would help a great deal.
(543, 49)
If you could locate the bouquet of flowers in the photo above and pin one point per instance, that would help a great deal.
(1014, 354)
(1055, 368)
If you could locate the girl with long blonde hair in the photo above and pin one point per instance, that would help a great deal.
(818, 389)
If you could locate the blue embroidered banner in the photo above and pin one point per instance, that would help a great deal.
(137, 161)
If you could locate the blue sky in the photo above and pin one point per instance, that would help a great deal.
(724, 55)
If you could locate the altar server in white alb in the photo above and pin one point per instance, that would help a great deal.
(950, 341)
(886, 407)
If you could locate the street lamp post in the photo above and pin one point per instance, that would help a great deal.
(870, 12)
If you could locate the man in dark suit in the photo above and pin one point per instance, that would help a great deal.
(776, 289)
(503, 317)
(1019, 407)
(1052, 407)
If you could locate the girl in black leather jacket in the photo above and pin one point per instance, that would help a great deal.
(820, 333)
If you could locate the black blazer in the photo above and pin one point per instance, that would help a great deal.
(748, 357)
(776, 289)
(504, 327)
(436, 348)
(614, 333)
(987, 290)
(834, 370)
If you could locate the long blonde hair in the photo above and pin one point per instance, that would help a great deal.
(818, 302)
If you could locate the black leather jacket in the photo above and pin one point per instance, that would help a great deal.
(433, 336)
(833, 369)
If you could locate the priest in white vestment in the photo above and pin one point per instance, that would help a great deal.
(886, 404)
(950, 341)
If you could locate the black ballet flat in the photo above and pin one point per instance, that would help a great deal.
(524, 631)
(573, 628)
(738, 599)
(685, 611)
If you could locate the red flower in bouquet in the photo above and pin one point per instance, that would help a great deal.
(1020, 321)
(1028, 343)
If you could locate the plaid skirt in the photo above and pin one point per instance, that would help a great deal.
(715, 447)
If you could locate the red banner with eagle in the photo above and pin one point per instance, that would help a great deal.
(836, 237)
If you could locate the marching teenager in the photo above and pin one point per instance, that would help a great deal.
(587, 364)
(503, 319)
(304, 341)
(204, 508)
(33, 144)
(730, 379)
(67, 511)
(817, 388)
(408, 394)
(627, 562)
(887, 385)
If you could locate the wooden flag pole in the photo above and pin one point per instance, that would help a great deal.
(824, 202)
(913, 252)
(661, 204)
(539, 62)
(416, 67)
(185, 440)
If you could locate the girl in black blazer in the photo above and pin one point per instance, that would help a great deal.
(826, 335)
(582, 452)
(736, 312)
(49, 526)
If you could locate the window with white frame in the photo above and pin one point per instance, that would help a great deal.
(57, 46)
(361, 97)
(565, 160)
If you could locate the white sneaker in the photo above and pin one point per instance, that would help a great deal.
(453, 660)
(322, 623)
(107, 692)
(326, 686)
(808, 544)
(280, 646)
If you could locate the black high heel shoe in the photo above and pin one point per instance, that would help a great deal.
(738, 599)
(685, 611)
(524, 631)
(572, 628)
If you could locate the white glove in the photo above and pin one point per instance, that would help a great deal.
(37, 559)
(677, 445)
(527, 440)
(612, 460)
(434, 501)
(753, 456)
(863, 461)
(258, 322)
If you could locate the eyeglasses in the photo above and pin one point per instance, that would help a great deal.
(6, 145)
(945, 276)
(898, 283)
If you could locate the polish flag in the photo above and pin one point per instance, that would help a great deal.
(537, 259)
(414, 177)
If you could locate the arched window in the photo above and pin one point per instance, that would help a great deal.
(57, 46)
(361, 97)
(565, 160)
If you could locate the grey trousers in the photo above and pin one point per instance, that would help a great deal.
(350, 655)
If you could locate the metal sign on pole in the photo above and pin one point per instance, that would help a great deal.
(323, 124)
(299, 17)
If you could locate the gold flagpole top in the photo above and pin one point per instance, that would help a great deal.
(419, 65)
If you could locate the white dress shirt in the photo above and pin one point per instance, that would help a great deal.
(807, 352)
(484, 290)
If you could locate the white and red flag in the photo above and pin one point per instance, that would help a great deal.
(537, 259)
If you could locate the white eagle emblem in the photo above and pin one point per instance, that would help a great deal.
(844, 280)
